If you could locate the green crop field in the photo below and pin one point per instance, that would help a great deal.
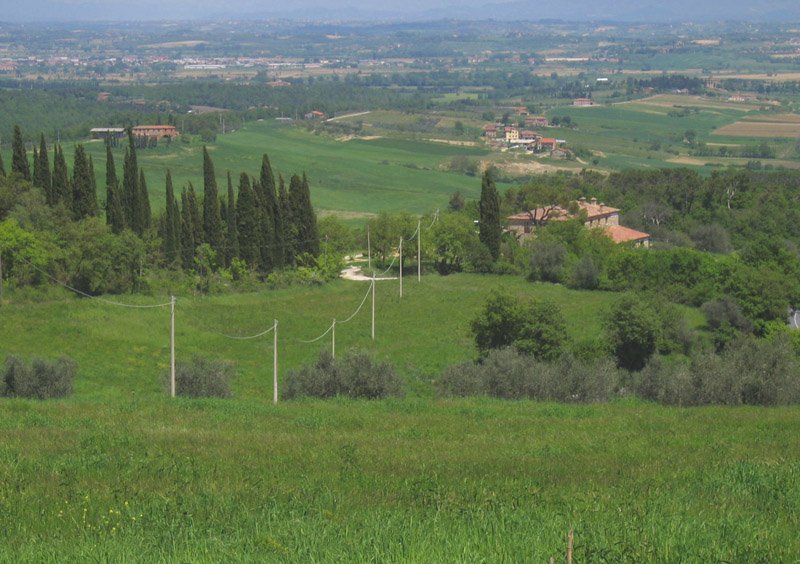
(360, 175)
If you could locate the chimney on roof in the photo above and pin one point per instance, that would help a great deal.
(602, 205)
(582, 199)
(594, 201)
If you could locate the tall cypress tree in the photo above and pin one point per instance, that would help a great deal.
(46, 182)
(490, 228)
(212, 222)
(171, 225)
(84, 201)
(144, 214)
(2, 167)
(273, 212)
(35, 178)
(265, 226)
(187, 232)
(93, 196)
(61, 188)
(247, 222)
(302, 217)
(232, 238)
(19, 157)
(195, 218)
(115, 216)
(130, 187)
(289, 230)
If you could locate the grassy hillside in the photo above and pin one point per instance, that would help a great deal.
(122, 350)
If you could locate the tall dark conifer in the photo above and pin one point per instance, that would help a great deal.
(144, 214)
(232, 237)
(93, 197)
(44, 171)
(130, 187)
(61, 188)
(84, 201)
(273, 212)
(195, 217)
(489, 225)
(2, 167)
(19, 157)
(35, 177)
(289, 228)
(187, 233)
(171, 224)
(303, 217)
(115, 216)
(247, 222)
(212, 222)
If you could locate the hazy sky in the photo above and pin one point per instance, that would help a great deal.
(620, 10)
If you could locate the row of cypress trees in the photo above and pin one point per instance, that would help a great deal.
(261, 222)
(78, 193)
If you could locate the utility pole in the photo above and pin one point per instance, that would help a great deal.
(401, 267)
(419, 250)
(172, 348)
(373, 305)
(275, 363)
(1, 278)
(333, 339)
(369, 253)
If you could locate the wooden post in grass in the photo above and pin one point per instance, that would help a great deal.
(172, 347)
(401, 267)
(373, 305)
(569, 547)
(552, 560)
(275, 363)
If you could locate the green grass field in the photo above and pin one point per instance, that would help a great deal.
(134, 479)
(358, 176)
(126, 351)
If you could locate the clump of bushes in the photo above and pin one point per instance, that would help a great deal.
(748, 372)
(508, 374)
(41, 379)
(202, 377)
(357, 375)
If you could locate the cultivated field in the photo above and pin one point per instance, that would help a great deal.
(760, 129)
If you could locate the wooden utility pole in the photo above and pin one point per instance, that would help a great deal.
(1, 276)
(369, 253)
(401, 267)
(373, 305)
(275, 363)
(333, 339)
(419, 250)
(172, 347)
(569, 547)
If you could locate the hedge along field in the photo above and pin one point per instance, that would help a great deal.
(122, 351)
(462, 481)
(360, 175)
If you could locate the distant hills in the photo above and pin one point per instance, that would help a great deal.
(385, 10)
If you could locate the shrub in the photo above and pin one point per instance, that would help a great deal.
(548, 261)
(357, 375)
(507, 374)
(41, 380)
(203, 377)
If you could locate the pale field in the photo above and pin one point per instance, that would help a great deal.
(759, 129)
(762, 76)
(671, 100)
(171, 44)
(780, 118)
(700, 161)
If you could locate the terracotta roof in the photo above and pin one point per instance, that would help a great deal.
(621, 234)
(550, 140)
(593, 211)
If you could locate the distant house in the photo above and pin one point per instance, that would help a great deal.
(490, 131)
(583, 102)
(595, 215)
(559, 153)
(158, 131)
(529, 135)
(103, 96)
(536, 121)
(314, 115)
(548, 143)
(511, 133)
(522, 111)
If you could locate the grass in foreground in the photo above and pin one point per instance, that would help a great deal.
(135, 480)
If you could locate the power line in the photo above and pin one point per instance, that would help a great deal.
(68, 287)
(245, 338)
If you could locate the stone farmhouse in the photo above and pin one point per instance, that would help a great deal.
(596, 215)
